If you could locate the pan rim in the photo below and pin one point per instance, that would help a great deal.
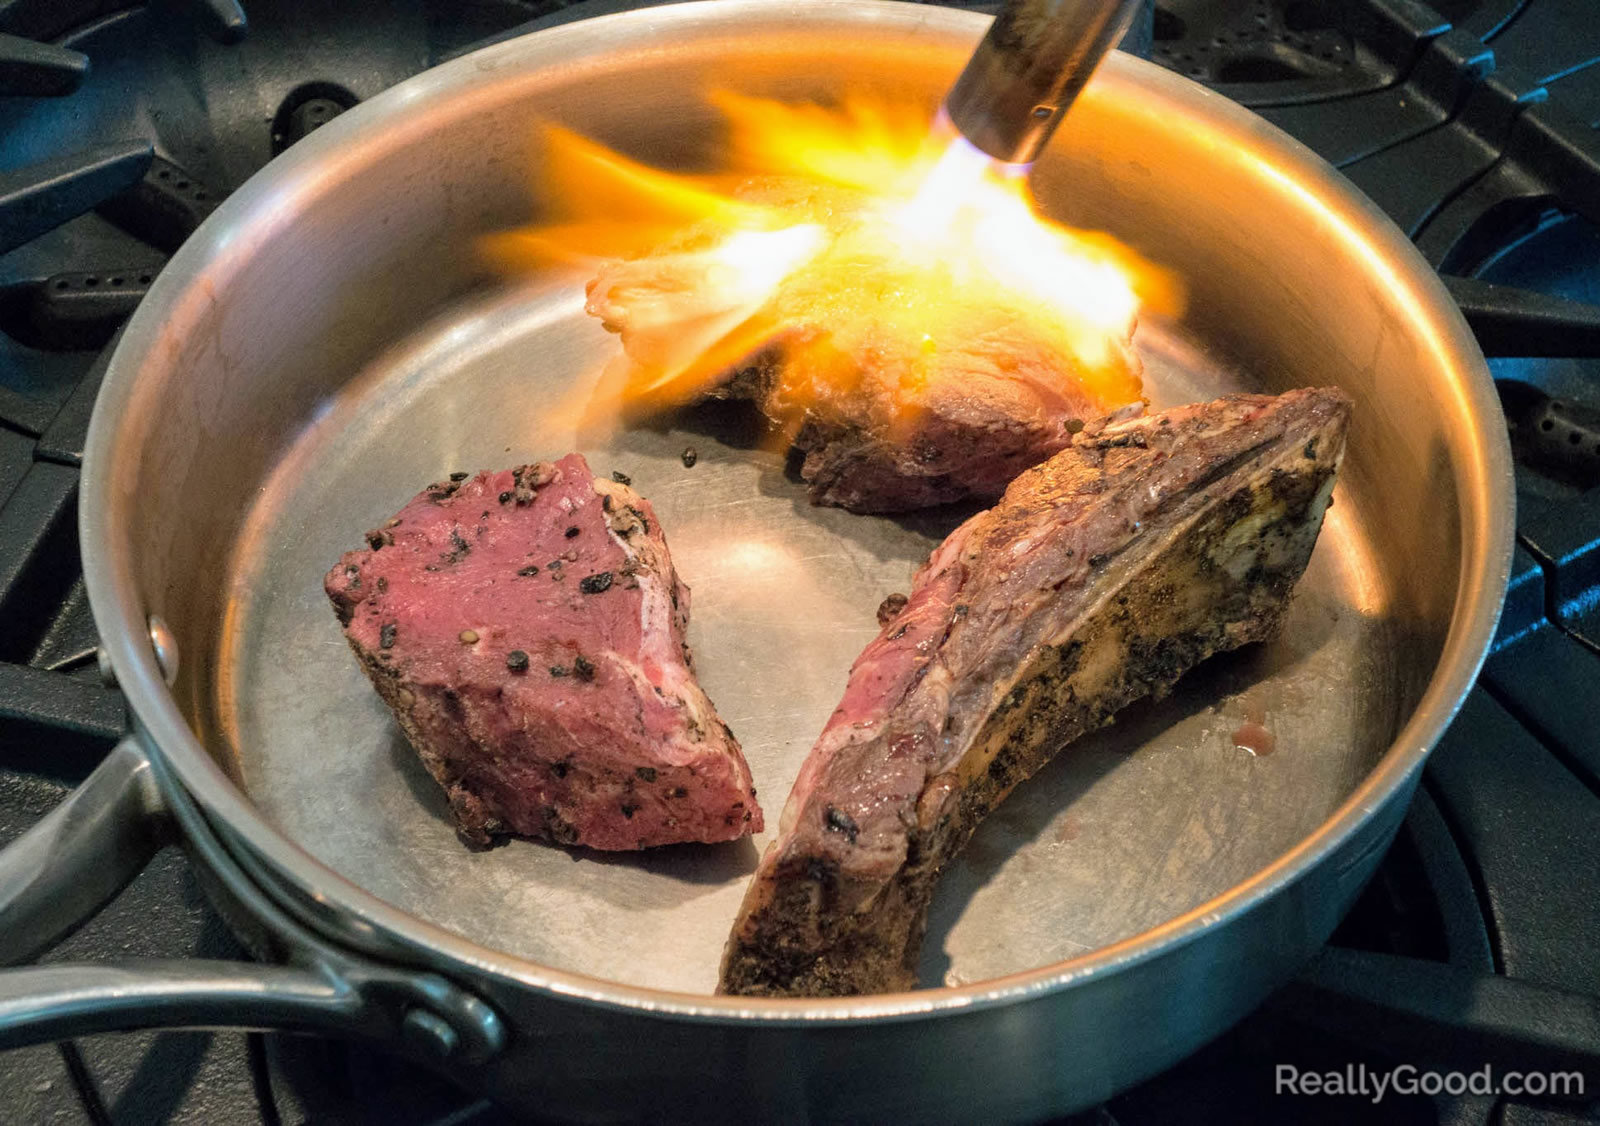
(1486, 515)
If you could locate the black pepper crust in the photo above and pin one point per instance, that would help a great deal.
(811, 939)
(838, 821)
(890, 608)
(351, 589)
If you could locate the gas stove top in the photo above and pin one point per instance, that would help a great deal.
(1471, 122)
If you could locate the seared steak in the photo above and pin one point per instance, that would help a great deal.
(527, 628)
(905, 384)
(990, 409)
(1102, 576)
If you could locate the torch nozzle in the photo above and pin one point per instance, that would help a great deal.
(1035, 59)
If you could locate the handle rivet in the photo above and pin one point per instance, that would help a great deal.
(166, 649)
(108, 675)
(430, 1032)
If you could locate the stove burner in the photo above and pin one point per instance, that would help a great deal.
(306, 108)
(1470, 121)
(1222, 42)
(1557, 438)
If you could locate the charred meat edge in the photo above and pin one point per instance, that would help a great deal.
(1218, 574)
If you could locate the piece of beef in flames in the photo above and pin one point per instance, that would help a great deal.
(903, 387)
(1102, 576)
(988, 409)
(526, 626)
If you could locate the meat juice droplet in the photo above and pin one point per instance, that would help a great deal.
(1252, 735)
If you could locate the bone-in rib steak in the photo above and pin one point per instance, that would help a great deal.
(1103, 575)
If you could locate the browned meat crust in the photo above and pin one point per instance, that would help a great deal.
(526, 627)
(1102, 576)
(900, 392)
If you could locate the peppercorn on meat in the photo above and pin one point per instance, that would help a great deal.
(526, 626)
(1102, 576)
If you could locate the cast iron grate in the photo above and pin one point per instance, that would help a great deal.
(1470, 121)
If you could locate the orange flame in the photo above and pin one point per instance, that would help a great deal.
(844, 238)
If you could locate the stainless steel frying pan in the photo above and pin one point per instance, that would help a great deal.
(326, 344)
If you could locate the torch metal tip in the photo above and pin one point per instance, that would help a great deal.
(1035, 59)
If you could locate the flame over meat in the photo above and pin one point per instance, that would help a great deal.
(841, 236)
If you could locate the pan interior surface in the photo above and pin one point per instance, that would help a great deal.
(1126, 830)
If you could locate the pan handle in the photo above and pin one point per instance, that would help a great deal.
(61, 1002)
(73, 862)
(59, 873)
(40, 1004)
